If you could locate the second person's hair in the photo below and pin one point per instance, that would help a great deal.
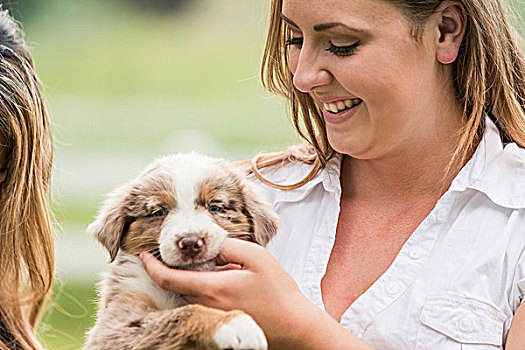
(26, 240)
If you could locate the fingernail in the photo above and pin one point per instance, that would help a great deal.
(141, 256)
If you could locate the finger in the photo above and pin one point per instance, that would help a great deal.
(228, 267)
(178, 281)
(246, 254)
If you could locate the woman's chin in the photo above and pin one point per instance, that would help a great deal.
(345, 143)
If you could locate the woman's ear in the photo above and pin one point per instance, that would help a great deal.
(451, 27)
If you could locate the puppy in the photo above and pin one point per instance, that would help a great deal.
(181, 208)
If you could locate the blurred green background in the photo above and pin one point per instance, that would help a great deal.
(128, 80)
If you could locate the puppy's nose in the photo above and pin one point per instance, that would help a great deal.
(190, 246)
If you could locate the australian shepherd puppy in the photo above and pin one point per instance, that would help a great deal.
(181, 208)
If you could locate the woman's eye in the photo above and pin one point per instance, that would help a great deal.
(214, 208)
(294, 42)
(334, 49)
(160, 212)
(343, 50)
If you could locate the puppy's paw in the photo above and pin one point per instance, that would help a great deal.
(240, 332)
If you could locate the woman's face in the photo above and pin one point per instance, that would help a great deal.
(376, 85)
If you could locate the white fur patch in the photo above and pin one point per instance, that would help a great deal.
(240, 332)
(185, 224)
(132, 276)
(190, 171)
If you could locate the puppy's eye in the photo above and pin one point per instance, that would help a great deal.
(160, 212)
(214, 208)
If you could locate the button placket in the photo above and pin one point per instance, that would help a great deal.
(441, 215)
(415, 253)
(403, 271)
(442, 208)
(393, 288)
(319, 255)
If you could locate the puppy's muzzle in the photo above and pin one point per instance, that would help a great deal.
(191, 246)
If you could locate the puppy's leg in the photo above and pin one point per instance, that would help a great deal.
(131, 325)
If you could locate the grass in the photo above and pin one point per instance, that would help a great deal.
(70, 315)
(140, 123)
(102, 47)
(75, 210)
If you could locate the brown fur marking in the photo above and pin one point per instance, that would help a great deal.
(132, 321)
(142, 235)
(225, 191)
(143, 230)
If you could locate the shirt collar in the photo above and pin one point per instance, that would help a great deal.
(328, 177)
(488, 149)
(496, 171)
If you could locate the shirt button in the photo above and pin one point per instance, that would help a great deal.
(415, 253)
(353, 328)
(465, 325)
(441, 215)
(393, 288)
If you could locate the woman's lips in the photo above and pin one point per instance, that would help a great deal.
(340, 105)
(344, 110)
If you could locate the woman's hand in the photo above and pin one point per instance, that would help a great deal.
(260, 287)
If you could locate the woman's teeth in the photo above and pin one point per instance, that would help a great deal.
(342, 105)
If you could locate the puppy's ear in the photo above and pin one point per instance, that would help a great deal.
(265, 219)
(109, 224)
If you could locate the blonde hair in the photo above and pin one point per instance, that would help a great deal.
(26, 240)
(489, 78)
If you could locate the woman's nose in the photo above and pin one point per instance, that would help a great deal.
(308, 70)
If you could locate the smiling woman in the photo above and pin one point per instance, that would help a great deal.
(388, 68)
(402, 226)
(486, 22)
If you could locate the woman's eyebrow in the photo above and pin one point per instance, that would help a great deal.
(326, 26)
(323, 26)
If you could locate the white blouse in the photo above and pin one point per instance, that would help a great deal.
(457, 281)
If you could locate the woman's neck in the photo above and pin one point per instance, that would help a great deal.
(417, 170)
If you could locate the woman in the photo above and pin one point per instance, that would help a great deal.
(409, 230)
(26, 242)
